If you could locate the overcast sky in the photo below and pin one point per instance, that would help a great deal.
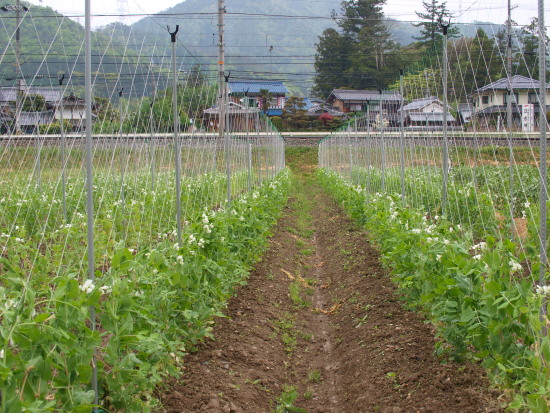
(464, 10)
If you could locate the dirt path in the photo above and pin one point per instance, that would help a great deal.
(318, 327)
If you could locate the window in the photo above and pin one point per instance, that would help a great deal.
(515, 98)
(485, 100)
(533, 98)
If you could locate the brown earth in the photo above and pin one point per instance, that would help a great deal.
(319, 327)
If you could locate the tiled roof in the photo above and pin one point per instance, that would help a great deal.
(502, 109)
(430, 117)
(320, 109)
(234, 109)
(364, 95)
(421, 103)
(517, 81)
(51, 95)
(256, 86)
(35, 118)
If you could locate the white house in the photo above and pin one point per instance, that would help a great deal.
(491, 101)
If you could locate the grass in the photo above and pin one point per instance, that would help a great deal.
(314, 376)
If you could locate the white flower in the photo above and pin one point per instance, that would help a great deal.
(155, 271)
(446, 242)
(106, 289)
(2, 354)
(481, 246)
(138, 293)
(527, 204)
(459, 227)
(180, 259)
(436, 217)
(543, 289)
(438, 257)
(515, 266)
(200, 243)
(222, 239)
(451, 229)
(416, 231)
(477, 257)
(176, 246)
(87, 287)
(241, 218)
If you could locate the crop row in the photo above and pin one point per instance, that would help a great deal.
(154, 298)
(477, 287)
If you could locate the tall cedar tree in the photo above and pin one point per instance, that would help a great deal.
(360, 54)
(431, 33)
(528, 59)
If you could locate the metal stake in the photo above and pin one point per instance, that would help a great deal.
(89, 182)
(62, 130)
(543, 161)
(445, 28)
(173, 36)
(402, 137)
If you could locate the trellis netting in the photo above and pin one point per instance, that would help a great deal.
(456, 208)
(157, 282)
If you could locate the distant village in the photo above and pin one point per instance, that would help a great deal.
(486, 109)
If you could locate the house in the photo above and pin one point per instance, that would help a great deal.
(490, 101)
(323, 109)
(465, 112)
(240, 118)
(74, 111)
(427, 119)
(248, 93)
(426, 111)
(368, 101)
(74, 108)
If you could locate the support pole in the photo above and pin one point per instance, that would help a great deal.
(383, 143)
(509, 117)
(152, 146)
(63, 144)
(445, 28)
(402, 137)
(543, 161)
(89, 181)
(177, 147)
(122, 146)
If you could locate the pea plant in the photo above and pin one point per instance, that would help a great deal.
(155, 298)
(476, 288)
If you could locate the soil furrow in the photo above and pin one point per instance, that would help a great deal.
(319, 327)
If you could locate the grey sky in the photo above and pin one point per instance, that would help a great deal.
(465, 10)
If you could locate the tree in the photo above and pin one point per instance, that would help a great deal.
(528, 62)
(265, 97)
(360, 53)
(32, 103)
(431, 34)
(331, 62)
(294, 114)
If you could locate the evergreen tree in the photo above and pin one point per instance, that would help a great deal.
(331, 62)
(431, 34)
(360, 54)
(527, 58)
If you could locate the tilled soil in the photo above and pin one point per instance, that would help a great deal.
(319, 326)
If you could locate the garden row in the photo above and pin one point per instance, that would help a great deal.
(154, 297)
(477, 289)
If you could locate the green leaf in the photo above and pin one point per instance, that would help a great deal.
(41, 317)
